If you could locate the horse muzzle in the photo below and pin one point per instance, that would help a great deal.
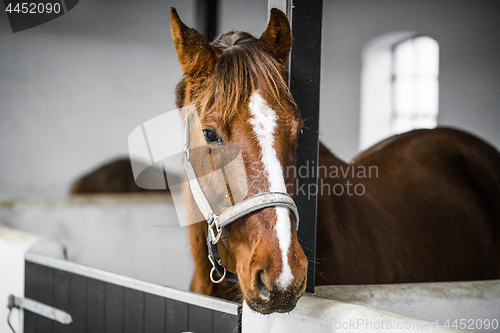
(263, 293)
(267, 301)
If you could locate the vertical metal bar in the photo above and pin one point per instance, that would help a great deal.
(30, 291)
(61, 296)
(134, 311)
(114, 308)
(154, 313)
(78, 302)
(45, 288)
(177, 316)
(304, 68)
(207, 15)
(200, 319)
(96, 294)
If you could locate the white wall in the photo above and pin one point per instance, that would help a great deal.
(243, 15)
(468, 34)
(73, 89)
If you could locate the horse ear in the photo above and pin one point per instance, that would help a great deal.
(196, 55)
(277, 39)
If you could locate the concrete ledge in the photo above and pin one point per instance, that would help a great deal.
(318, 315)
(94, 199)
(442, 302)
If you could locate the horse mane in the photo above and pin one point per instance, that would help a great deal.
(242, 67)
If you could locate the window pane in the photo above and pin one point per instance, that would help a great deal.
(427, 96)
(403, 124)
(425, 122)
(426, 56)
(403, 58)
(415, 84)
(403, 96)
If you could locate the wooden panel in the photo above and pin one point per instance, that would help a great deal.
(134, 311)
(126, 282)
(225, 323)
(95, 306)
(114, 310)
(154, 314)
(78, 302)
(177, 316)
(30, 291)
(200, 319)
(45, 288)
(61, 297)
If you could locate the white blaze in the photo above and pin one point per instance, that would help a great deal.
(264, 124)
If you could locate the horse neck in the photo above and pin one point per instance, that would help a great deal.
(338, 173)
(327, 158)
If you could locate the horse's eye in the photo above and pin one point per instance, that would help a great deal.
(300, 133)
(210, 135)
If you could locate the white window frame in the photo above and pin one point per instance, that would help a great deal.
(376, 116)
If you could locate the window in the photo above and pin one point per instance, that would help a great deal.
(399, 86)
(415, 68)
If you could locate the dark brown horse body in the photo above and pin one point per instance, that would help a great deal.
(113, 177)
(432, 214)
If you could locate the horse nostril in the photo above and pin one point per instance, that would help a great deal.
(303, 286)
(262, 286)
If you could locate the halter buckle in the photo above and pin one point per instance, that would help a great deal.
(214, 221)
(214, 270)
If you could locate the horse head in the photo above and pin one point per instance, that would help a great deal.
(238, 85)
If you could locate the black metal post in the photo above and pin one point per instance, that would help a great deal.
(207, 18)
(304, 68)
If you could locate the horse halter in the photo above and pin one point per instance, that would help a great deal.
(233, 213)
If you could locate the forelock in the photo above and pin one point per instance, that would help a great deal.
(243, 67)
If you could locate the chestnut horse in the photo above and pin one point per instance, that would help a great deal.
(421, 206)
(430, 213)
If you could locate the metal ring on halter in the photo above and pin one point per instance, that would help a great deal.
(214, 221)
(214, 270)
